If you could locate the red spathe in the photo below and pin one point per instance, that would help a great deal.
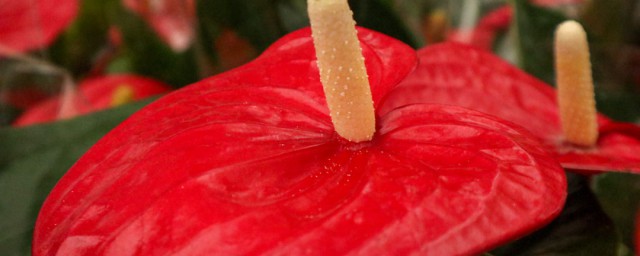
(247, 163)
(28, 25)
(94, 94)
(456, 74)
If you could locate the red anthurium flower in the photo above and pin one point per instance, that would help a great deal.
(28, 25)
(172, 19)
(247, 162)
(455, 74)
(94, 94)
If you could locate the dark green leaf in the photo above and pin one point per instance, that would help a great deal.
(7, 114)
(208, 30)
(619, 104)
(255, 20)
(292, 14)
(609, 24)
(84, 39)
(610, 20)
(619, 195)
(535, 27)
(32, 159)
(581, 229)
(146, 54)
(380, 15)
(262, 22)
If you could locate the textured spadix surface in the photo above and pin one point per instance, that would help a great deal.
(247, 162)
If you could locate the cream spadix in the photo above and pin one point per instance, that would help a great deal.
(576, 100)
(342, 70)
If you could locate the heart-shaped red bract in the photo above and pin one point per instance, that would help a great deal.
(460, 75)
(28, 25)
(247, 163)
(94, 94)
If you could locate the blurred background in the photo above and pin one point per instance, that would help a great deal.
(177, 42)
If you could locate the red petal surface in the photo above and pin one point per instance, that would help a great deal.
(31, 24)
(460, 75)
(22, 97)
(247, 163)
(172, 19)
(96, 94)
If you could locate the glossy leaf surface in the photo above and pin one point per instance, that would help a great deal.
(29, 25)
(94, 94)
(247, 162)
(460, 75)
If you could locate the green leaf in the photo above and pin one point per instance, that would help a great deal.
(292, 14)
(146, 54)
(381, 16)
(84, 39)
(610, 20)
(609, 24)
(7, 114)
(413, 14)
(32, 159)
(389, 17)
(623, 105)
(581, 229)
(619, 195)
(255, 20)
(262, 22)
(535, 27)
